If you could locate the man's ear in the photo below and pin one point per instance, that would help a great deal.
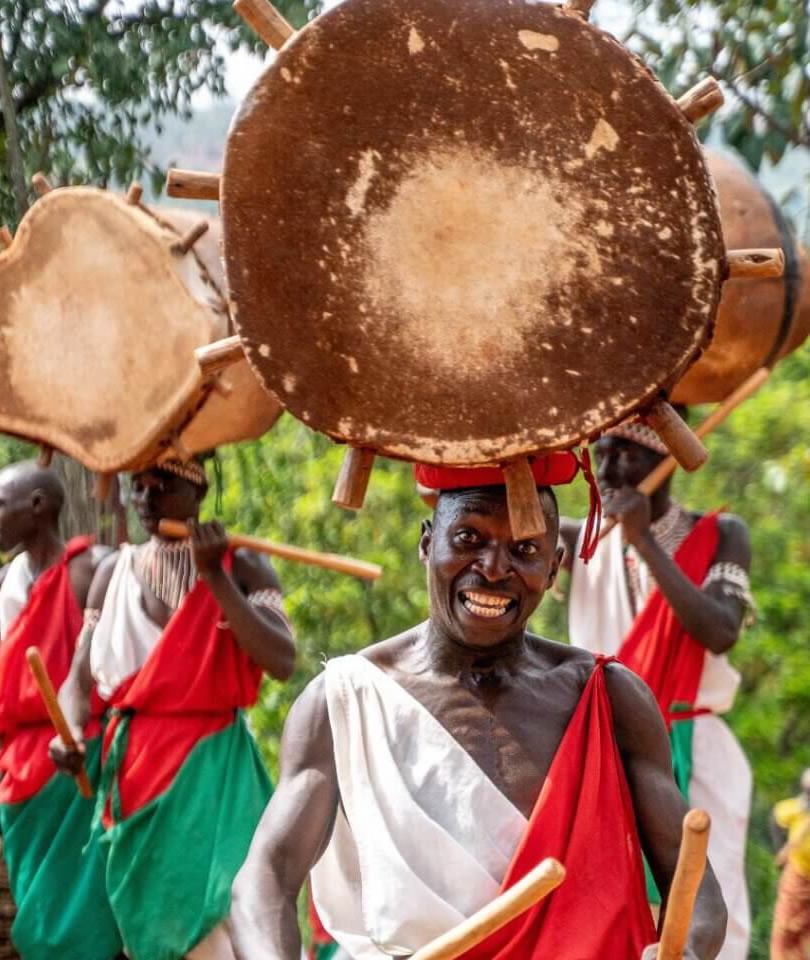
(555, 566)
(38, 502)
(425, 540)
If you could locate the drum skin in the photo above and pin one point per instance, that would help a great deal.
(99, 320)
(464, 232)
(759, 321)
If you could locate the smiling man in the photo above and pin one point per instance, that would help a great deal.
(432, 770)
(177, 635)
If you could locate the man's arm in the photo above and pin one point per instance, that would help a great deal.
(75, 692)
(264, 634)
(290, 838)
(658, 804)
(710, 616)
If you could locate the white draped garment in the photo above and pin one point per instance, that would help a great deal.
(422, 839)
(721, 783)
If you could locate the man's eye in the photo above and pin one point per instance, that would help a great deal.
(527, 548)
(467, 536)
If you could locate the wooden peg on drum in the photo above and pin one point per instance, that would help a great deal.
(45, 456)
(134, 193)
(223, 387)
(214, 357)
(352, 481)
(6, 237)
(701, 100)
(268, 23)
(581, 8)
(755, 263)
(522, 500)
(41, 184)
(102, 486)
(676, 436)
(192, 184)
(187, 241)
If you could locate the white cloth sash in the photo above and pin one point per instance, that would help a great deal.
(422, 839)
(14, 591)
(125, 635)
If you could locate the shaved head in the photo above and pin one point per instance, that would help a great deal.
(30, 496)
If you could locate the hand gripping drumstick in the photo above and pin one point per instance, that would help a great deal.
(537, 884)
(688, 874)
(329, 561)
(43, 682)
(668, 466)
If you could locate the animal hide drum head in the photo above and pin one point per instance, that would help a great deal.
(460, 232)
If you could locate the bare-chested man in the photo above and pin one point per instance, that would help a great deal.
(435, 768)
(667, 593)
(59, 893)
(177, 636)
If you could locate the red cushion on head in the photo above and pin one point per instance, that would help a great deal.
(549, 471)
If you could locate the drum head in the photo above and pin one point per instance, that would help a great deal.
(457, 232)
(98, 326)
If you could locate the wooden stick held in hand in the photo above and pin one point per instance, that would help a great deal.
(688, 875)
(329, 561)
(43, 682)
(667, 467)
(537, 884)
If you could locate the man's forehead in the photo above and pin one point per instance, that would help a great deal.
(485, 501)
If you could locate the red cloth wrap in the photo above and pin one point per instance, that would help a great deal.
(52, 622)
(194, 679)
(584, 818)
(658, 648)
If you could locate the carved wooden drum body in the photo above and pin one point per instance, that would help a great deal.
(759, 320)
(101, 309)
(465, 232)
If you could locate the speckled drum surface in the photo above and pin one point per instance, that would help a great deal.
(460, 232)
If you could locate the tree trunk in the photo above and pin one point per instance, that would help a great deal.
(16, 166)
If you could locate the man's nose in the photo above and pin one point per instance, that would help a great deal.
(495, 562)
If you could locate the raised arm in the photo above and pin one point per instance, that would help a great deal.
(262, 632)
(711, 616)
(291, 836)
(659, 805)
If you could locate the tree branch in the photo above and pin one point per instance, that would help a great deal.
(15, 157)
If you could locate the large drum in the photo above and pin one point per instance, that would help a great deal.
(102, 304)
(760, 320)
(464, 232)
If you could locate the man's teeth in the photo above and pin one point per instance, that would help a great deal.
(485, 604)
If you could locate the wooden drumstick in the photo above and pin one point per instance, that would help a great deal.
(681, 442)
(667, 467)
(701, 100)
(767, 262)
(688, 875)
(134, 193)
(538, 883)
(216, 356)
(329, 561)
(192, 184)
(523, 501)
(352, 482)
(268, 23)
(48, 694)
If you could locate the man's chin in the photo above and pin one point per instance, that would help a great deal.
(475, 630)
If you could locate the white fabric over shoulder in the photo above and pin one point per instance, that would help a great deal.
(417, 814)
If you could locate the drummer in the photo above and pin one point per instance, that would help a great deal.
(44, 821)
(177, 636)
(676, 637)
(424, 774)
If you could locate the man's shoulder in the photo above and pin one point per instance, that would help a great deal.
(386, 654)
(553, 654)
